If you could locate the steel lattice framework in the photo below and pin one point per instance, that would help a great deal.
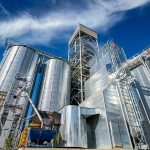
(83, 46)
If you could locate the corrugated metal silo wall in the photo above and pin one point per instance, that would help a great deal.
(19, 61)
(142, 78)
(148, 62)
(98, 134)
(118, 128)
(104, 94)
(101, 91)
(22, 61)
(55, 86)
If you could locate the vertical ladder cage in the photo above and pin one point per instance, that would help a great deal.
(15, 116)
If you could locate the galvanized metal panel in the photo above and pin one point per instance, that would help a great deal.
(7, 75)
(19, 61)
(143, 84)
(98, 132)
(55, 86)
(114, 112)
(73, 127)
(101, 91)
(30, 72)
(115, 133)
(143, 96)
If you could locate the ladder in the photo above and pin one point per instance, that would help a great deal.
(22, 90)
(130, 106)
(13, 120)
(132, 111)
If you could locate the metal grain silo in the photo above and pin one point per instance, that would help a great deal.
(55, 86)
(19, 62)
(18, 69)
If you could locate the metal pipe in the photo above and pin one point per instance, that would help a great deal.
(36, 111)
(81, 67)
(30, 100)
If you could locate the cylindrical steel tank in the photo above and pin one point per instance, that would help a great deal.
(18, 69)
(19, 62)
(55, 86)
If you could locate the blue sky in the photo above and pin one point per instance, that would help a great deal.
(48, 24)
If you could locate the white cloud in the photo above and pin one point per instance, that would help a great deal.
(100, 14)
